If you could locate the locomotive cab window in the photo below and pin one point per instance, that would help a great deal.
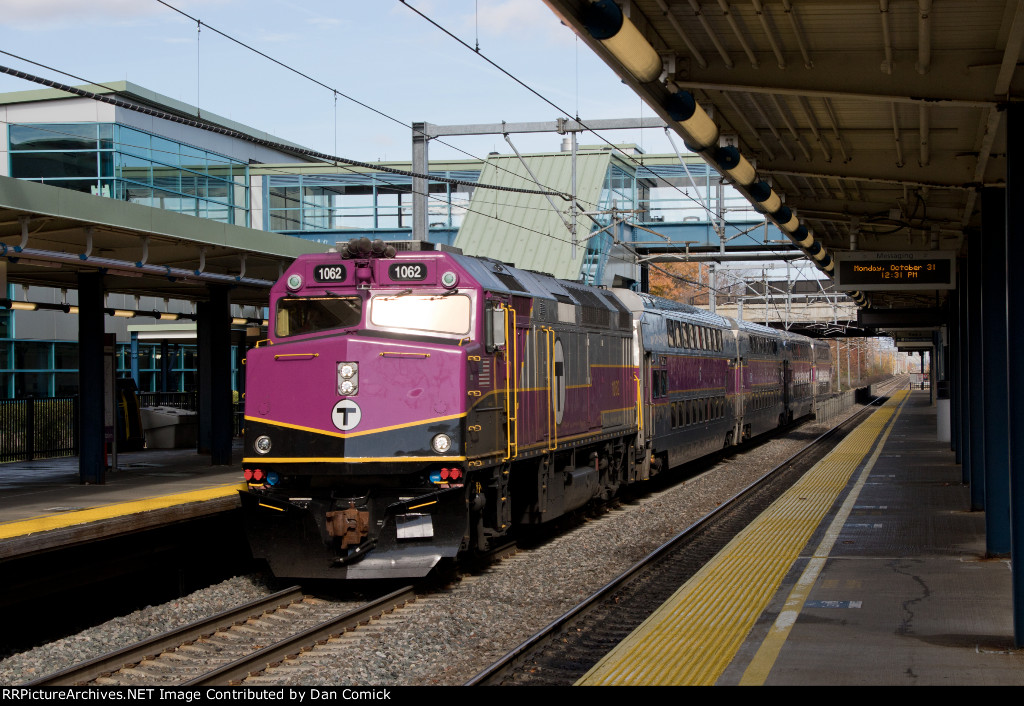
(299, 315)
(442, 313)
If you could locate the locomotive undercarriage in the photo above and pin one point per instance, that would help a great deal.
(320, 525)
(345, 521)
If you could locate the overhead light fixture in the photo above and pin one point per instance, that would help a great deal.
(802, 237)
(236, 321)
(124, 313)
(606, 23)
(735, 165)
(23, 306)
(786, 219)
(765, 197)
(73, 309)
(165, 316)
(701, 131)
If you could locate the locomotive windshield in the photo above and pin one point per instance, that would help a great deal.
(445, 313)
(299, 315)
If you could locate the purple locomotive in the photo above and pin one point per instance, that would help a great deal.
(410, 407)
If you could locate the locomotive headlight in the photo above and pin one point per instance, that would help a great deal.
(294, 281)
(441, 443)
(262, 444)
(348, 378)
(449, 279)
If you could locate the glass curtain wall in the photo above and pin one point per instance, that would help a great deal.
(115, 161)
(303, 203)
(623, 192)
(50, 368)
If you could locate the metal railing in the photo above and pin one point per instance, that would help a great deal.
(33, 428)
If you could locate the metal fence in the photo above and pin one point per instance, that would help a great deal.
(33, 428)
(38, 428)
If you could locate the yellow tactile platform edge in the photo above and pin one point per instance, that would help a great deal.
(694, 636)
(45, 523)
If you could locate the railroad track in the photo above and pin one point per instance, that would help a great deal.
(230, 646)
(568, 647)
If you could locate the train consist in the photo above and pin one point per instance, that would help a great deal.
(409, 407)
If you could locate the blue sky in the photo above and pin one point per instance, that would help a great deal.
(380, 53)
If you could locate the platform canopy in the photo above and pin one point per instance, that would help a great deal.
(876, 121)
(49, 235)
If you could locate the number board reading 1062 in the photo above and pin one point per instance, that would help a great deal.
(329, 273)
(407, 272)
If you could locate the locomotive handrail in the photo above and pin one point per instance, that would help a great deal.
(280, 356)
(552, 412)
(639, 407)
(511, 400)
(384, 354)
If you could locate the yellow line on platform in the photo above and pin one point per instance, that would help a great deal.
(761, 665)
(692, 638)
(44, 523)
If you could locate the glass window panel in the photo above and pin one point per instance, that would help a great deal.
(147, 358)
(191, 184)
(106, 160)
(65, 384)
(284, 196)
(166, 178)
(35, 384)
(106, 131)
(285, 220)
(134, 168)
(133, 142)
(217, 190)
(147, 382)
(139, 194)
(53, 137)
(164, 151)
(32, 355)
(194, 159)
(36, 165)
(65, 356)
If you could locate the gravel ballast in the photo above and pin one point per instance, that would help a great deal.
(447, 637)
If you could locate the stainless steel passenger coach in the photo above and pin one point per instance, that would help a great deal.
(409, 407)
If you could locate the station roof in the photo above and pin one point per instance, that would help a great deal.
(129, 91)
(144, 250)
(878, 120)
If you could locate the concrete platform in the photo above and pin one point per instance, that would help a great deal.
(43, 505)
(892, 588)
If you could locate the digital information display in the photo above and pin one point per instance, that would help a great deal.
(873, 271)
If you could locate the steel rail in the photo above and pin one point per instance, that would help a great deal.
(511, 660)
(279, 651)
(135, 653)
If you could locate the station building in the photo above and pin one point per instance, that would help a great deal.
(112, 152)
